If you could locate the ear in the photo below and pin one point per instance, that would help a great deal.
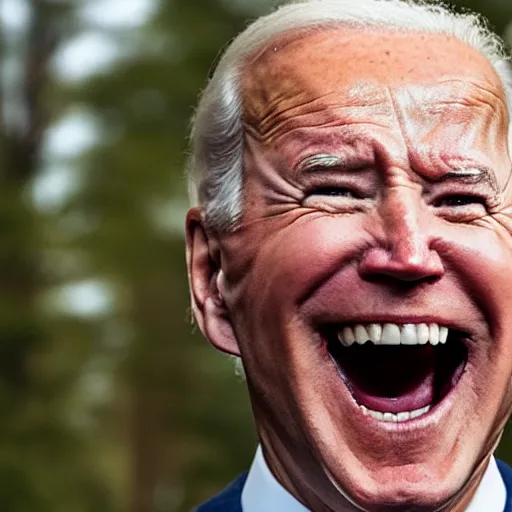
(204, 275)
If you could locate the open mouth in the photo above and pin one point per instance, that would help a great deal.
(394, 372)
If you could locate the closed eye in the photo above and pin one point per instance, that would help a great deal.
(341, 199)
(334, 192)
(459, 200)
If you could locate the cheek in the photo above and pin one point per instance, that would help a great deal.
(290, 258)
(479, 257)
(294, 259)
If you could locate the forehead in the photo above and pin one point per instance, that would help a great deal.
(413, 99)
(345, 66)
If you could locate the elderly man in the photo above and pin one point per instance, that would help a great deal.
(352, 242)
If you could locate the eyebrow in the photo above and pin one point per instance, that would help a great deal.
(474, 175)
(321, 160)
(469, 175)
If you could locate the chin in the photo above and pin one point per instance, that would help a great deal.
(394, 424)
(403, 492)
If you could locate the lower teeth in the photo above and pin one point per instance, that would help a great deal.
(395, 418)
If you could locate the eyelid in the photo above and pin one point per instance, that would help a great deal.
(477, 185)
(324, 189)
(476, 198)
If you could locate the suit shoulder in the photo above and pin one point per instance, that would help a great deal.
(229, 500)
(506, 474)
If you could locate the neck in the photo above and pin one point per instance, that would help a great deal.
(285, 470)
(462, 500)
(304, 493)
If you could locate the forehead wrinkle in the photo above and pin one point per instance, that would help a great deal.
(312, 81)
(486, 105)
(303, 123)
(267, 111)
(498, 95)
(273, 87)
(400, 119)
(474, 123)
(278, 111)
(464, 93)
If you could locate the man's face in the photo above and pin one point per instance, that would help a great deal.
(377, 205)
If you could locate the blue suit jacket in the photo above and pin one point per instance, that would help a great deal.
(229, 500)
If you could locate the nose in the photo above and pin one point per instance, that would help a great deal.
(403, 250)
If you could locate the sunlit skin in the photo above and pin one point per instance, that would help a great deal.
(376, 188)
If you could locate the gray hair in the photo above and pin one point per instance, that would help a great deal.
(215, 167)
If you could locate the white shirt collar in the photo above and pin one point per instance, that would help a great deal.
(491, 493)
(263, 493)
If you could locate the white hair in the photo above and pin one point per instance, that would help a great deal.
(215, 165)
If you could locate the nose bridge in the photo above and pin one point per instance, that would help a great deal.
(405, 236)
(403, 239)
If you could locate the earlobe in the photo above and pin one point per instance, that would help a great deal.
(204, 271)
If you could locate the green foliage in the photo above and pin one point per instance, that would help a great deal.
(187, 426)
(128, 409)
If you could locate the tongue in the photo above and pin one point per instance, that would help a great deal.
(391, 379)
(421, 395)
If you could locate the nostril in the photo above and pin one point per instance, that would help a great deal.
(409, 266)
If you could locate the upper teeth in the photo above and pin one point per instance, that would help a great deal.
(393, 334)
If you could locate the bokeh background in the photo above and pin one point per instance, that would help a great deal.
(109, 399)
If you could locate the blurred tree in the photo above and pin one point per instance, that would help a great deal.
(126, 409)
(34, 431)
(188, 428)
(497, 12)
